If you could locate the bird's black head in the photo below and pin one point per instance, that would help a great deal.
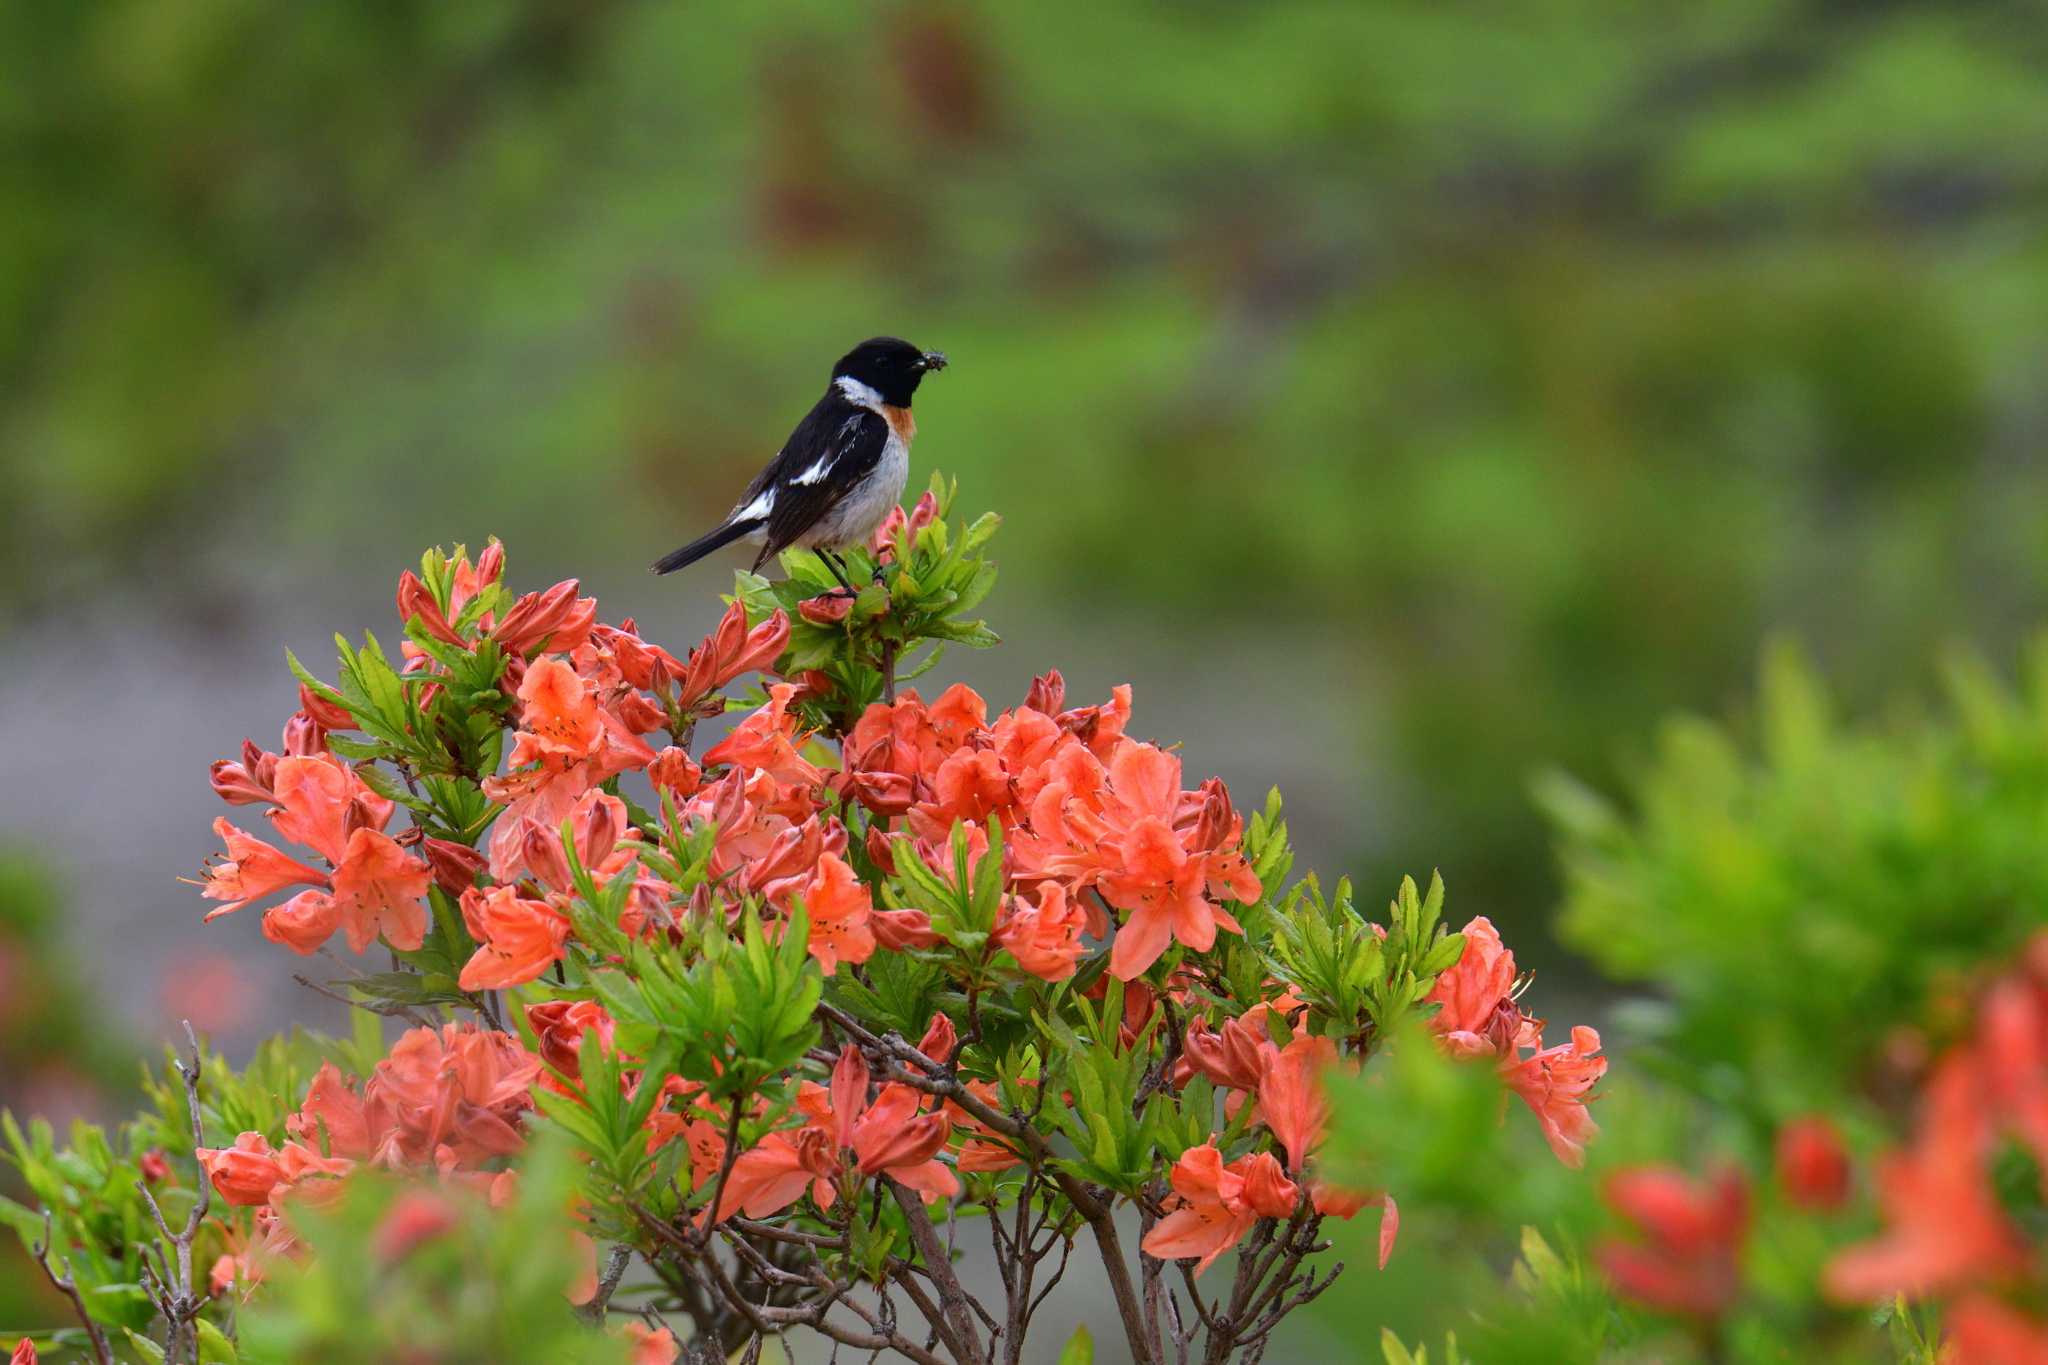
(889, 366)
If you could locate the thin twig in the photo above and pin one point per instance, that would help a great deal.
(176, 1298)
(68, 1287)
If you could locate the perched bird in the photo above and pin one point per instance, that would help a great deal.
(840, 471)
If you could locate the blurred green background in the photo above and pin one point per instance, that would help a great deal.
(1408, 397)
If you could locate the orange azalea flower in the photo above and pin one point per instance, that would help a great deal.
(1984, 1331)
(1117, 828)
(376, 886)
(767, 839)
(652, 1345)
(567, 744)
(675, 772)
(245, 1173)
(767, 741)
(839, 905)
(1291, 1099)
(1556, 1084)
(304, 923)
(559, 718)
(1813, 1166)
(886, 1138)
(1218, 1204)
(1044, 938)
(1945, 1228)
(1478, 1018)
(517, 938)
(1229, 1056)
(415, 1218)
(983, 1151)
(773, 1174)
(321, 802)
(332, 1117)
(1691, 1234)
(910, 739)
(379, 888)
(250, 871)
(1471, 994)
(605, 843)
(461, 1089)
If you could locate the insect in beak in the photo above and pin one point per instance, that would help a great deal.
(932, 360)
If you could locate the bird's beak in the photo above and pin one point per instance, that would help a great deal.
(932, 360)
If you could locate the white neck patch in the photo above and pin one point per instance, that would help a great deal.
(859, 394)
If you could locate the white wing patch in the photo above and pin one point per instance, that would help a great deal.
(816, 472)
(760, 507)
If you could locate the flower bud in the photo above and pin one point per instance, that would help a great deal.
(826, 610)
(328, 715)
(490, 565)
(884, 793)
(940, 1038)
(304, 736)
(153, 1165)
(1048, 693)
(881, 851)
(246, 783)
(557, 619)
(455, 865)
(414, 600)
(899, 930)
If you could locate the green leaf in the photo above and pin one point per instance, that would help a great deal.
(214, 1346)
(1080, 1348)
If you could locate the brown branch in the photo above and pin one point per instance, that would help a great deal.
(176, 1298)
(725, 1165)
(68, 1287)
(608, 1283)
(953, 1300)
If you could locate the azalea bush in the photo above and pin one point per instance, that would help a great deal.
(717, 997)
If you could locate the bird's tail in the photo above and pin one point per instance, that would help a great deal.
(704, 545)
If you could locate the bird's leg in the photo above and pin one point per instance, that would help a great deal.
(831, 561)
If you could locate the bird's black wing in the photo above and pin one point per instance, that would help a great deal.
(831, 452)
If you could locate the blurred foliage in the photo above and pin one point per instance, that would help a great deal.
(398, 1271)
(56, 1055)
(1816, 902)
(1554, 352)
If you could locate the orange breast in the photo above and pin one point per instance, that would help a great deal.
(900, 421)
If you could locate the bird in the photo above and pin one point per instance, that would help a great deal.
(840, 471)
